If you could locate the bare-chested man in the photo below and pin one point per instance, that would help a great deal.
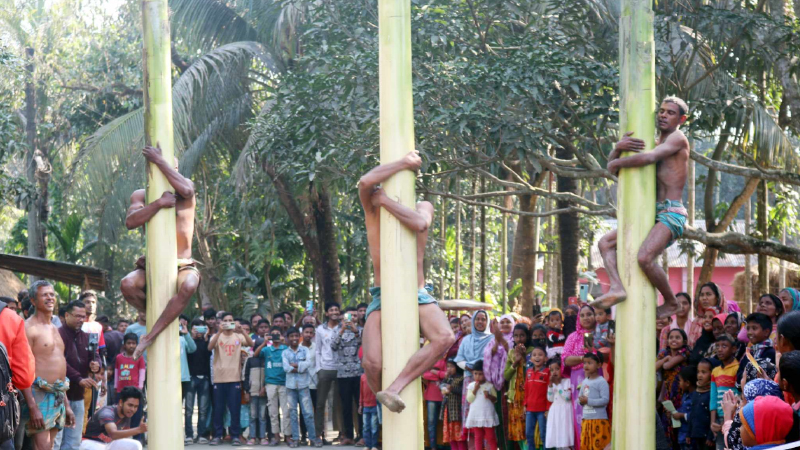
(433, 323)
(671, 157)
(47, 406)
(139, 213)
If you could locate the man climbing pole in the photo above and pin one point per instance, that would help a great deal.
(433, 323)
(139, 213)
(671, 157)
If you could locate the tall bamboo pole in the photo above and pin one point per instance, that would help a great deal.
(163, 357)
(400, 336)
(634, 387)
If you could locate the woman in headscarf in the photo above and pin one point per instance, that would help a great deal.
(772, 306)
(790, 298)
(758, 387)
(470, 352)
(572, 362)
(710, 296)
(494, 364)
(464, 328)
(733, 325)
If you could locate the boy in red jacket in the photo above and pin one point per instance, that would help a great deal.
(537, 377)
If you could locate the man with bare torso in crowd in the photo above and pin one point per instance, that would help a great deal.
(140, 212)
(671, 157)
(433, 323)
(48, 410)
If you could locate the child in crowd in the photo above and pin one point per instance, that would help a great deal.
(275, 384)
(537, 378)
(688, 381)
(759, 328)
(514, 375)
(368, 408)
(670, 362)
(452, 387)
(603, 328)
(555, 336)
(128, 372)
(296, 363)
(482, 416)
(699, 435)
(308, 333)
(253, 384)
(560, 433)
(723, 379)
(595, 426)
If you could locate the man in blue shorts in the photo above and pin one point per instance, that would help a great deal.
(671, 157)
(432, 321)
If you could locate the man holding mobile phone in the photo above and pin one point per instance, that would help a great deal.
(348, 375)
(200, 381)
(227, 346)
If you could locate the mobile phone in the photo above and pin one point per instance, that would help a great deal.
(202, 329)
(537, 309)
(584, 293)
(310, 306)
(229, 326)
(348, 317)
(588, 340)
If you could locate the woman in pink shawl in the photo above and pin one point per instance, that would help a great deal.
(572, 362)
(710, 296)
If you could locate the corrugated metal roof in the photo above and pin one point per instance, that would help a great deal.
(678, 252)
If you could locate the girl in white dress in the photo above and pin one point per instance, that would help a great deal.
(560, 433)
(482, 416)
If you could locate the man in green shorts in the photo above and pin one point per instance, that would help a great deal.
(46, 408)
(671, 157)
(432, 321)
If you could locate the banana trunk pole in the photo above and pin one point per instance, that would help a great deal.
(163, 357)
(634, 384)
(400, 335)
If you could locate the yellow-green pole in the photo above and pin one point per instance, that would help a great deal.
(635, 352)
(164, 418)
(400, 332)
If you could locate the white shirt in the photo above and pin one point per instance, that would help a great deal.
(325, 356)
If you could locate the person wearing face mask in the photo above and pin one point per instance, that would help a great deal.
(275, 386)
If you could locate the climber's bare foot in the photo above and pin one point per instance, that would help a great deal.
(609, 299)
(668, 309)
(144, 342)
(391, 401)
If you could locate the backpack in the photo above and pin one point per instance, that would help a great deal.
(9, 403)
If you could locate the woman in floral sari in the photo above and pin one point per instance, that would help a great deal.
(494, 364)
(572, 361)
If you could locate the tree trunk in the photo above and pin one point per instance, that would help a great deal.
(762, 206)
(443, 248)
(483, 245)
(528, 254)
(458, 242)
(37, 167)
(473, 250)
(321, 246)
(330, 280)
(710, 253)
(568, 233)
(748, 266)
(690, 221)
